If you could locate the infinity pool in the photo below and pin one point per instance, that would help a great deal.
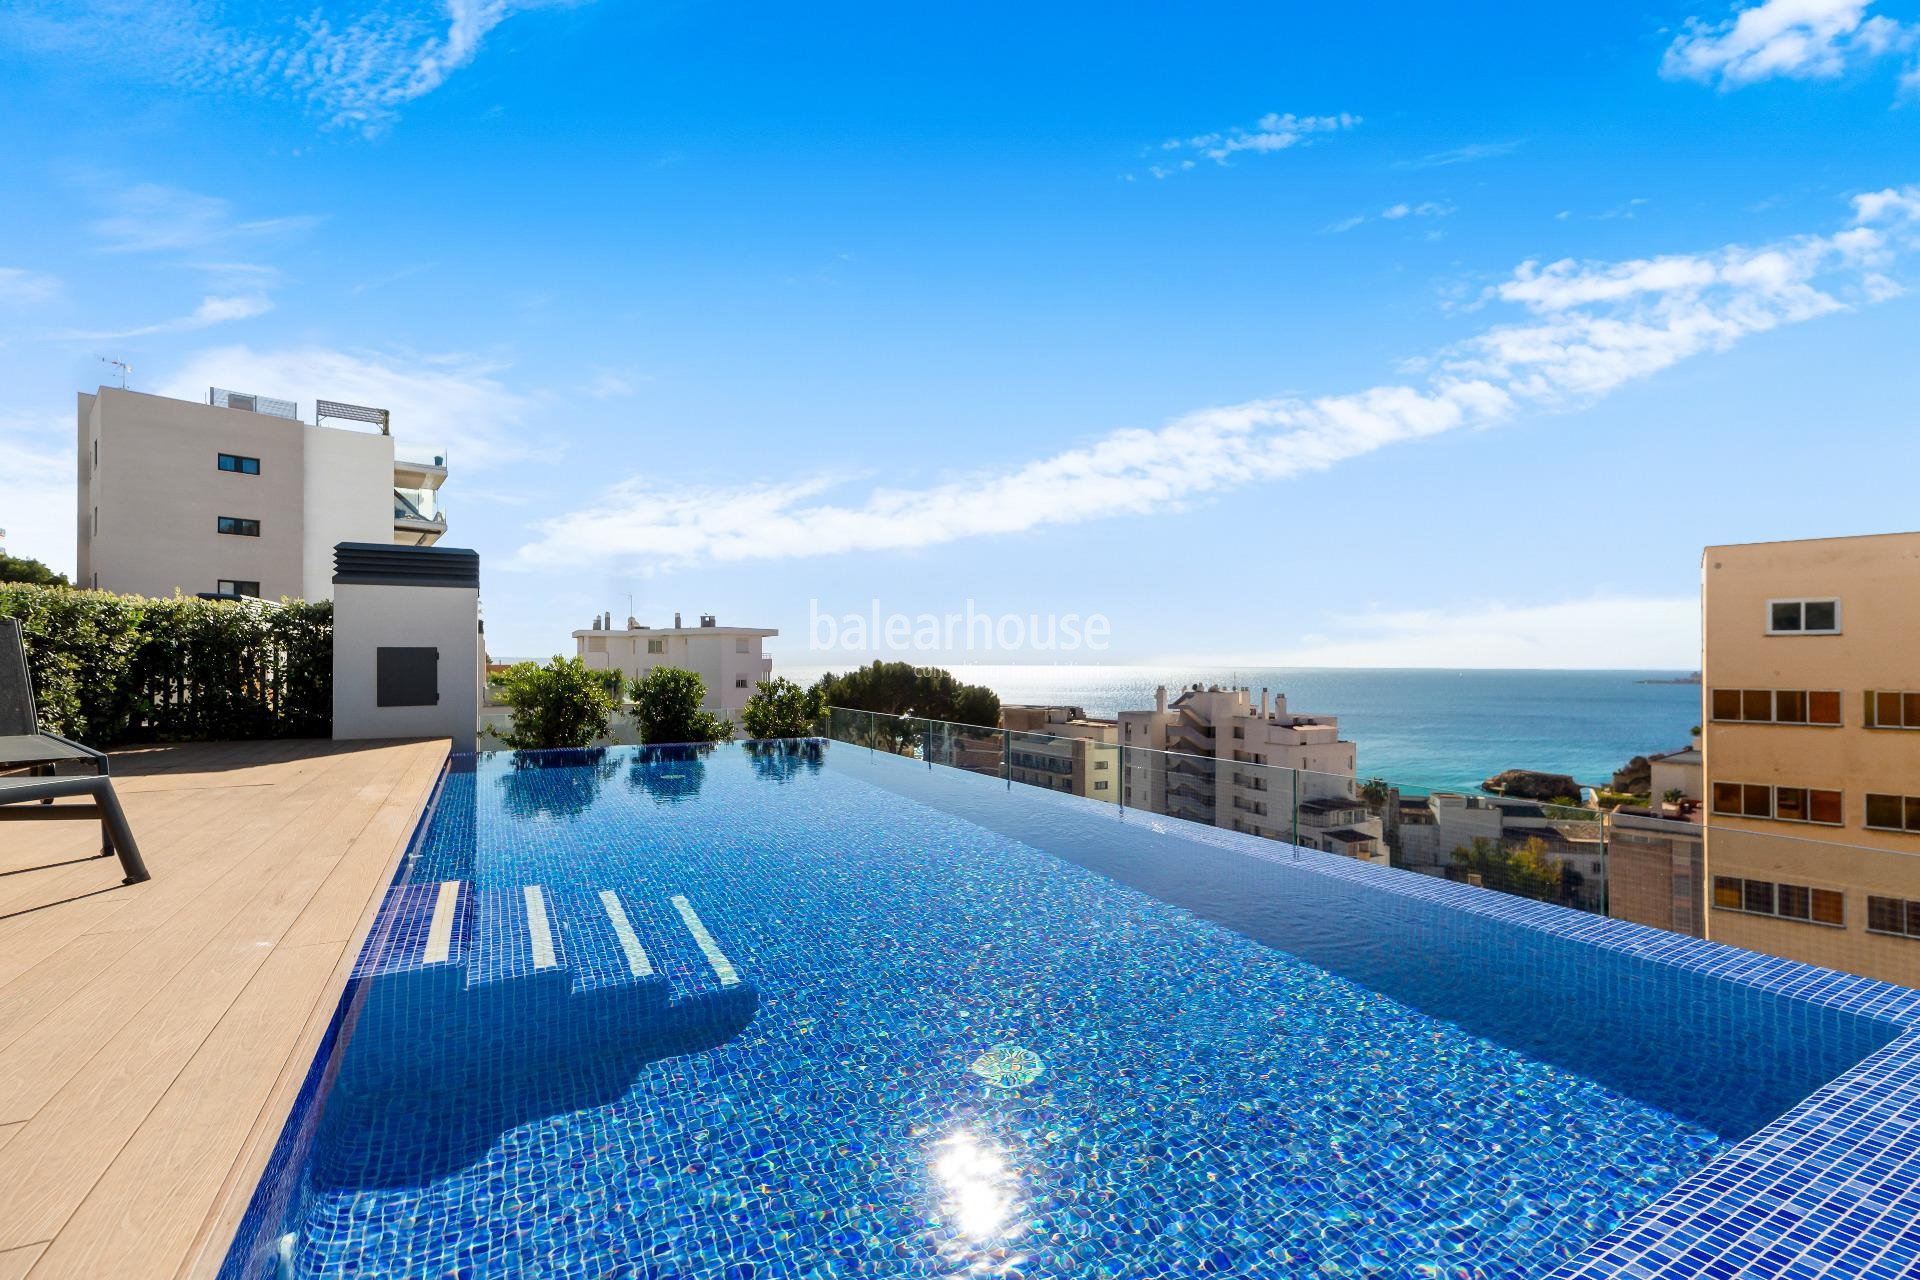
(808, 1011)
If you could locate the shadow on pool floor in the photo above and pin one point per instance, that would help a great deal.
(437, 1071)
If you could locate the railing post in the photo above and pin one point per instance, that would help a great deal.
(1296, 815)
(1006, 756)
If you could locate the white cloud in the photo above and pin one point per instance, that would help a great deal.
(36, 500)
(1397, 212)
(211, 311)
(1613, 632)
(1796, 39)
(1461, 155)
(355, 69)
(361, 73)
(1273, 132)
(455, 401)
(151, 217)
(23, 287)
(1590, 328)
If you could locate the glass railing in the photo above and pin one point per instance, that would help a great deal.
(418, 504)
(1847, 905)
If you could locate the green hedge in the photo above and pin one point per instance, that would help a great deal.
(110, 669)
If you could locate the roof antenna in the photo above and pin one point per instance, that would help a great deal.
(125, 369)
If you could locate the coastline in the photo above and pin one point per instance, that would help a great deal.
(1418, 728)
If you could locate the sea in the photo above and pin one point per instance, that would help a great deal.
(1424, 728)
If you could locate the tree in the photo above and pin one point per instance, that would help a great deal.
(1375, 791)
(1673, 795)
(1526, 870)
(900, 688)
(666, 707)
(563, 704)
(780, 708)
(22, 569)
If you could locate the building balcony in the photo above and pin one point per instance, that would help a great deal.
(418, 518)
(421, 467)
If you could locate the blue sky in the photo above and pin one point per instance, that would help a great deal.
(1406, 337)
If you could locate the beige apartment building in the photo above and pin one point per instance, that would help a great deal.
(1236, 763)
(238, 496)
(730, 660)
(1063, 749)
(1811, 747)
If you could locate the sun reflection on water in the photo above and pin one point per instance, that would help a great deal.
(980, 1193)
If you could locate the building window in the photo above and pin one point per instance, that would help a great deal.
(1777, 706)
(1803, 617)
(1100, 786)
(739, 682)
(1100, 764)
(239, 465)
(236, 525)
(1780, 804)
(1783, 901)
(1893, 915)
(1893, 813)
(1889, 709)
(656, 646)
(238, 587)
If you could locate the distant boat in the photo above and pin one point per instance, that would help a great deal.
(1692, 679)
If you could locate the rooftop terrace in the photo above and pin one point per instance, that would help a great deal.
(152, 1036)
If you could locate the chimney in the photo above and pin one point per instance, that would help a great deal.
(1263, 704)
(1160, 700)
(676, 619)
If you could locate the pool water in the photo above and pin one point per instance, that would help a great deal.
(885, 1020)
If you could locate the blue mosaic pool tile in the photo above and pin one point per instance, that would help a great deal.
(1203, 1103)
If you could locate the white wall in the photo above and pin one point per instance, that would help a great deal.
(348, 496)
(368, 617)
(710, 652)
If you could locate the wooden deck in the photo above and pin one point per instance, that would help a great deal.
(152, 1037)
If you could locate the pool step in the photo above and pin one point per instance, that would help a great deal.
(584, 940)
(514, 936)
(682, 947)
(421, 925)
(604, 945)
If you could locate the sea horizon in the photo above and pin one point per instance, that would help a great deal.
(1417, 727)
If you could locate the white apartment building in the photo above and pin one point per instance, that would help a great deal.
(1063, 749)
(239, 496)
(1237, 764)
(1429, 828)
(729, 659)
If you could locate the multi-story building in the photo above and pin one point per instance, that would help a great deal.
(1656, 868)
(1811, 746)
(238, 496)
(1250, 767)
(1062, 749)
(1428, 829)
(728, 659)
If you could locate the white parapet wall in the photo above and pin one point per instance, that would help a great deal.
(406, 642)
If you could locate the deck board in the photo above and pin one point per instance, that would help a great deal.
(152, 1036)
